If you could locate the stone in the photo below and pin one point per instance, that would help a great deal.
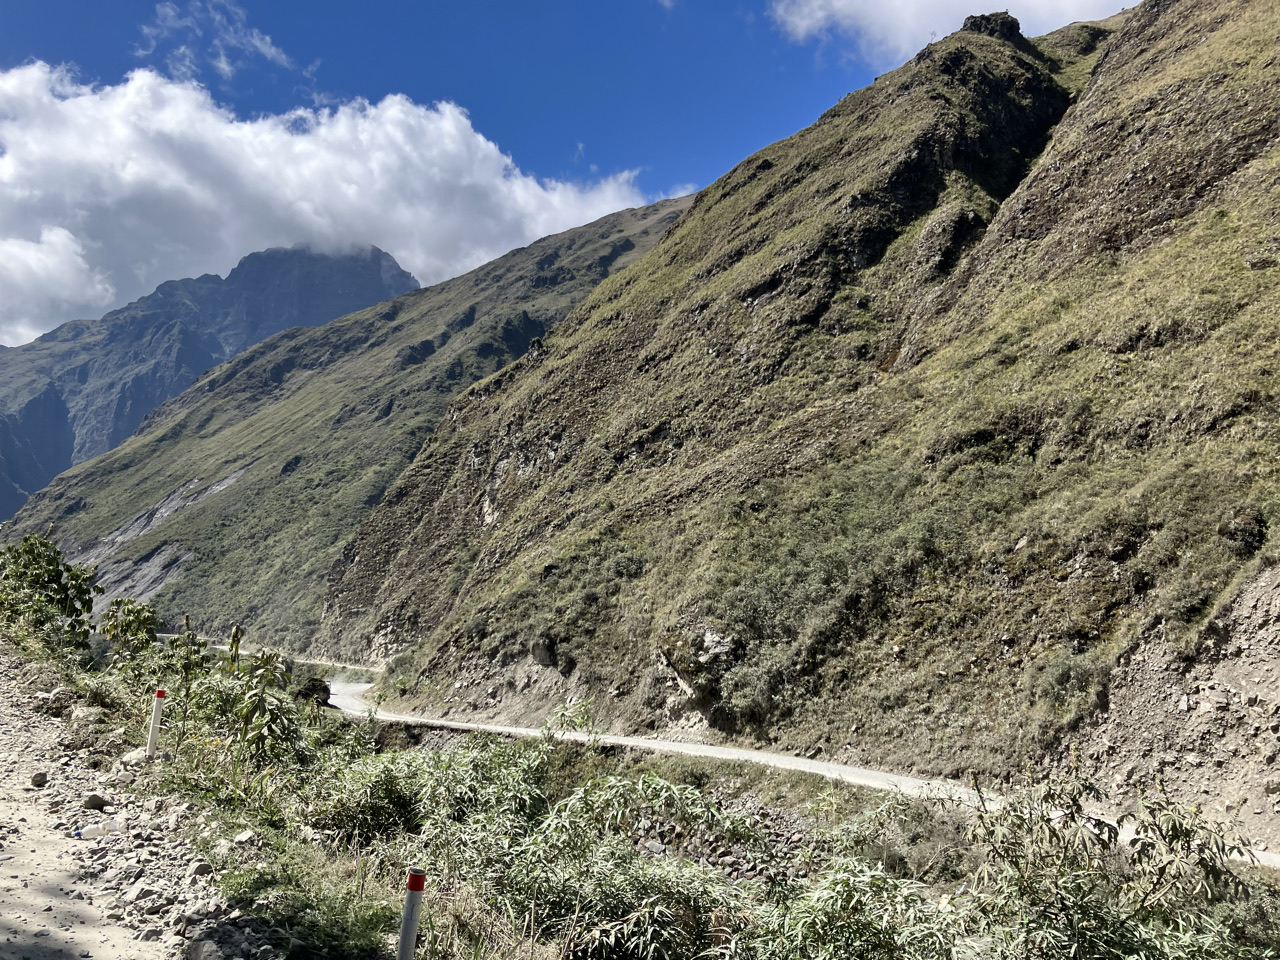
(543, 651)
(138, 892)
(135, 757)
(93, 801)
(313, 690)
(653, 846)
(87, 714)
(39, 779)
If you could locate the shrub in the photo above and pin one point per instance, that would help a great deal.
(1059, 882)
(44, 595)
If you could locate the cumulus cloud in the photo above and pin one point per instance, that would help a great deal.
(890, 32)
(48, 274)
(106, 191)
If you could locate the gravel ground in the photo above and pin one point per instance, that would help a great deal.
(139, 893)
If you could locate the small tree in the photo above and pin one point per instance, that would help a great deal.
(43, 593)
(130, 628)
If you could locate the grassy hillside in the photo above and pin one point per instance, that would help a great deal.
(913, 425)
(233, 500)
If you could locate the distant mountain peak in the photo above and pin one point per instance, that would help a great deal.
(100, 378)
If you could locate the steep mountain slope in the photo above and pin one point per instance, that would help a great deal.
(914, 426)
(79, 390)
(232, 500)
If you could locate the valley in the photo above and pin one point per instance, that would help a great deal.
(932, 444)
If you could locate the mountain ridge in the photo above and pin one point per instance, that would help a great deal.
(937, 438)
(85, 386)
(229, 502)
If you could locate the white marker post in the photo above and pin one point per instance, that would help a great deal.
(153, 737)
(412, 913)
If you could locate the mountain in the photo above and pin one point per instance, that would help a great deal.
(81, 389)
(233, 500)
(911, 438)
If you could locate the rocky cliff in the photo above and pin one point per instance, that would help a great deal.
(81, 389)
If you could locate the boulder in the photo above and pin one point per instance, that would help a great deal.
(135, 757)
(313, 690)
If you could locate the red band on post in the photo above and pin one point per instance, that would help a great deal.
(159, 694)
(417, 879)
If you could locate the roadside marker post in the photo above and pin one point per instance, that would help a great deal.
(412, 913)
(153, 736)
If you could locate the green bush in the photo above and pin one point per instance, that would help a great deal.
(48, 600)
(1059, 883)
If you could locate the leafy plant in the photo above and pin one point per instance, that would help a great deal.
(51, 598)
(130, 628)
(1060, 882)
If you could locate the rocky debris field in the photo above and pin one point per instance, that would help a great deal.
(139, 892)
(1207, 728)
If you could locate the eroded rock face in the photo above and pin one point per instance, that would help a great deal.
(81, 389)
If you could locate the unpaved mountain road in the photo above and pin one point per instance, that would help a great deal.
(349, 698)
(48, 910)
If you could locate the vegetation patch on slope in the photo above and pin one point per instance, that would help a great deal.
(234, 499)
(911, 428)
(539, 848)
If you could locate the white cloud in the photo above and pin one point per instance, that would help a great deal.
(888, 32)
(47, 275)
(106, 191)
(213, 32)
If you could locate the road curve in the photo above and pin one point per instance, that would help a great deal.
(349, 698)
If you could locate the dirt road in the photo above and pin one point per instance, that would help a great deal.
(349, 698)
(47, 909)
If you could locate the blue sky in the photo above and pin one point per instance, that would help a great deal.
(679, 93)
(141, 141)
